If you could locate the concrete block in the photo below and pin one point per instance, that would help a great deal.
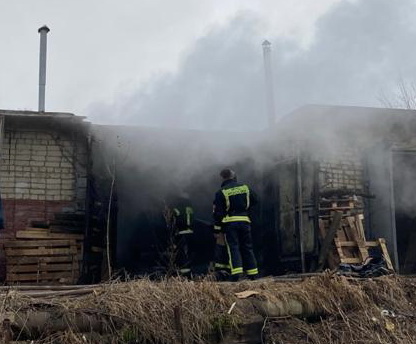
(53, 187)
(54, 153)
(53, 148)
(67, 176)
(35, 185)
(4, 167)
(37, 163)
(53, 181)
(52, 164)
(53, 175)
(7, 190)
(24, 151)
(66, 198)
(67, 186)
(66, 164)
(52, 193)
(22, 163)
(38, 148)
(23, 185)
(37, 175)
(38, 157)
(23, 147)
(53, 159)
(37, 192)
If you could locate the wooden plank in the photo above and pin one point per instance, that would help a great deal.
(339, 249)
(10, 277)
(45, 235)
(38, 243)
(337, 208)
(40, 252)
(351, 261)
(362, 249)
(343, 203)
(322, 228)
(34, 229)
(41, 268)
(37, 260)
(332, 259)
(354, 244)
(329, 237)
(386, 253)
(359, 223)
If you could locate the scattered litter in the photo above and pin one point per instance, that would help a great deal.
(389, 326)
(387, 313)
(245, 294)
(231, 308)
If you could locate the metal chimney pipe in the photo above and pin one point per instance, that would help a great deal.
(43, 31)
(271, 113)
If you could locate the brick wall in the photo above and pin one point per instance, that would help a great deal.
(343, 170)
(41, 173)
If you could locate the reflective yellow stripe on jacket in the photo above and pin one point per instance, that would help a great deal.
(189, 211)
(229, 219)
(238, 190)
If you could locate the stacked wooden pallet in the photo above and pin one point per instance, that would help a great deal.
(39, 256)
(341, 222)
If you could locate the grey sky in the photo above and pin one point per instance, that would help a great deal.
(198, 63)
(98, 49)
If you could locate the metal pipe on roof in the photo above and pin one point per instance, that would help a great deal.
(43, 31)
(271, 113)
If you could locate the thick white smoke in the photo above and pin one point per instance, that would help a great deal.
(360, 48)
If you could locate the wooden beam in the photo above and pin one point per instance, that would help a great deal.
(329, 238)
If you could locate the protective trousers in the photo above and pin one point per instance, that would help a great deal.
(222, 260)
(240, 248)
(183, 252)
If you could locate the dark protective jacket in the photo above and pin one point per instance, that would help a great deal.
(233, 202)
(184, 219)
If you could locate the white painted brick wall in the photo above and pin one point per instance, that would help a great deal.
(36, 166)
(342, 171)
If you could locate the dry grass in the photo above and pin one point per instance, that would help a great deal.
(336, 310)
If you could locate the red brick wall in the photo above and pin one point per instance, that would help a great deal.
(19, 213)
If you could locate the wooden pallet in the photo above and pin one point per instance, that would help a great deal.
(43, 233)
(341, 245)
(349, 240)
(41, 261)
(349, 206)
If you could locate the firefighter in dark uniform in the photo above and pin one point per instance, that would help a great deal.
(231, 216)
(183, 222)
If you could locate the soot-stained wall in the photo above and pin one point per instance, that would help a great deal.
(153, 164)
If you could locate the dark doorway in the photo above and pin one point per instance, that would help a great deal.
(404, 185)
